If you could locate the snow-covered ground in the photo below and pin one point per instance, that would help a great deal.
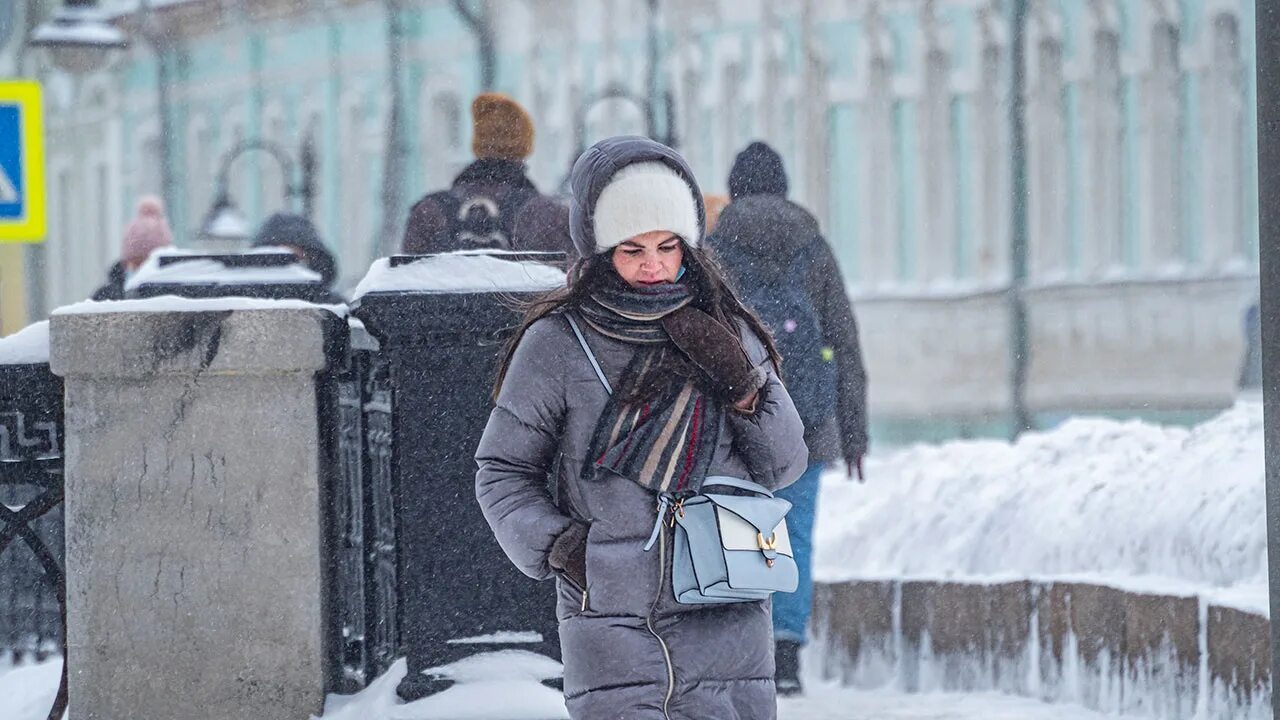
(28, 693)
(1129, 504)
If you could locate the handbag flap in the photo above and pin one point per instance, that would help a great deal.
(738, 534)
(764, 513)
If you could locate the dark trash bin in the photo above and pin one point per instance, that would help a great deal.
(261, 275)
(458, 593)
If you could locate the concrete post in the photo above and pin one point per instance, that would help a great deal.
(1268, 51)
(195, 561)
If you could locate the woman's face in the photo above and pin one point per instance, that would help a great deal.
(649, 259)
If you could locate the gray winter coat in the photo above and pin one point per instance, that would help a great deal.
(630, 651)
(615, 665)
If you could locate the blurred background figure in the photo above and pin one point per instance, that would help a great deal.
(298, 235)
(492, 203)
(147, 232)
(715, 205)
(774, 252)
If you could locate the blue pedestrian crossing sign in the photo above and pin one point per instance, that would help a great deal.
(22, 189)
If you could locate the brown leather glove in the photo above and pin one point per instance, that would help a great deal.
(718, 353)
(569, 555)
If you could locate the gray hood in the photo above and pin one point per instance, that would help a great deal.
(595, 167)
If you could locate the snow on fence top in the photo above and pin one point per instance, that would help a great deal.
(206, 271)
(460, 273)
(28, 346)
(1122, 503)
(173, 303)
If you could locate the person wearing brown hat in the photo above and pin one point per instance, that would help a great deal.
(492, 203)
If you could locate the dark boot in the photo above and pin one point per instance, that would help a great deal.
(786, 659)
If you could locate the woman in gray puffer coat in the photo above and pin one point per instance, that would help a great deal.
(696, 394)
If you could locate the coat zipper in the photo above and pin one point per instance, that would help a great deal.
(666, 652)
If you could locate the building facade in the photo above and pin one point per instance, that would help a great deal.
(894, 118)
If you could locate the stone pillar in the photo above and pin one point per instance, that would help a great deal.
(195, 561)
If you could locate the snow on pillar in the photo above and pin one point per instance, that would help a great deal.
(193, 513)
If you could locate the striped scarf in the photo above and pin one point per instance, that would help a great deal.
(664, 439)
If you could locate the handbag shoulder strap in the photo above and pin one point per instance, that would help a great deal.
(595, 364)
(736, 483)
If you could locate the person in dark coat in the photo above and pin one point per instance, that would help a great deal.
(492, 203)
(147, 232)
(298, 235)
(762, 237)
(679, 350)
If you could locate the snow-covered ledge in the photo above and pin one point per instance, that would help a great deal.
(1112, 649)
(193, 507)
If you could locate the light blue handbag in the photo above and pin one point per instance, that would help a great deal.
(728, 548)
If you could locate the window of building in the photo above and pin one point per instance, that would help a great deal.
(878, 178)
(1047, 161)
(1105, 154)
(1165, 208)
(1225, 115)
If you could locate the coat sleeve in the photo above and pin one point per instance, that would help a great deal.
(543, 225)
(517, 454)
(840, 333)
(771, 438)
(424, 228)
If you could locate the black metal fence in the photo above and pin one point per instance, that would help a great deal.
(362, 514)
(32, 584)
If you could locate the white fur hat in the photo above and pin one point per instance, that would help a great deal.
(641, 198)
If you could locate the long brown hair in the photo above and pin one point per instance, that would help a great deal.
(712, 294)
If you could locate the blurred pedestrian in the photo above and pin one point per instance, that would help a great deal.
(298, 235)
(147, 232)
(774, 252)
(715, 205)
(492, 204)
(679, 351)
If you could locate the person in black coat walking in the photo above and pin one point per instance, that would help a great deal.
(774, 251)
(492, 204)
(298, 235)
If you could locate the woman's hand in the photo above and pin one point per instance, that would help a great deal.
(569, 555)
(718, 353)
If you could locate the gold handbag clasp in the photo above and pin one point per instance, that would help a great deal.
(767, 546)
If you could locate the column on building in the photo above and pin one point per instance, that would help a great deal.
(879, 184)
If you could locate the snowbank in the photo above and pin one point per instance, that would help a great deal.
(206, 271)
(28, 345)
(28, 690)
(1127, 503)
(173, 303)
(461, 272)
(493, 686)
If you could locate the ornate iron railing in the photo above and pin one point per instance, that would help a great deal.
(33, 596)
(381, 531)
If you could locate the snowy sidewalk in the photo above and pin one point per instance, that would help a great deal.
(842, 704)
(28, 691)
